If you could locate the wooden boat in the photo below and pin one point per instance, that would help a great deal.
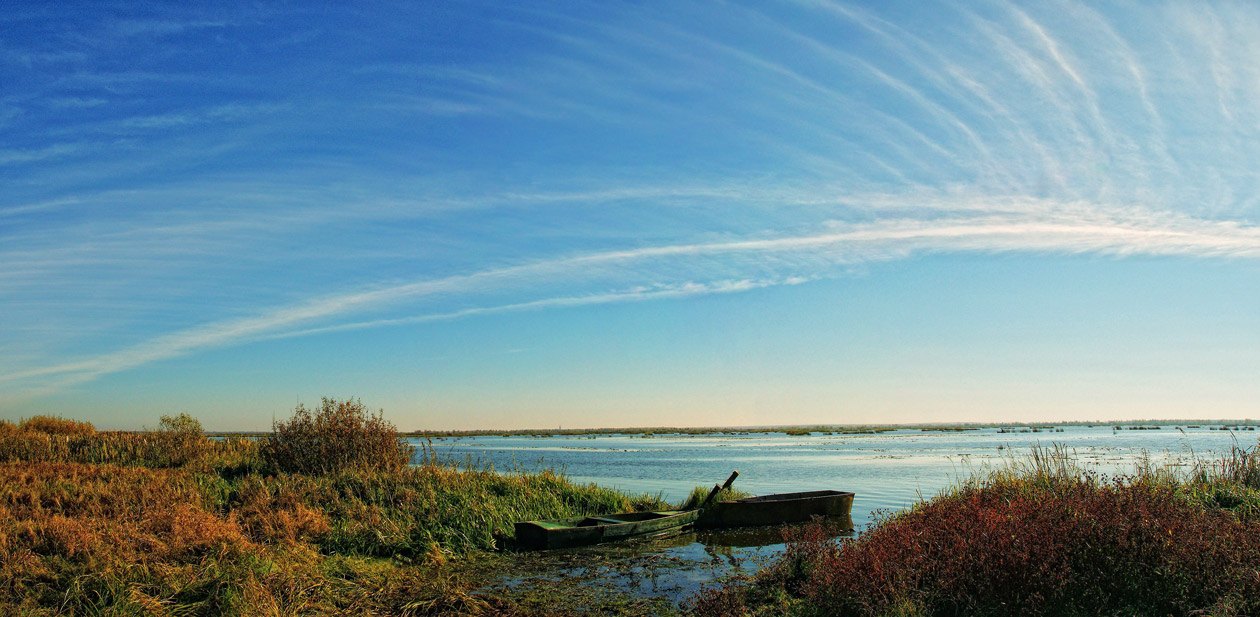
(777, 509)
(586, 530)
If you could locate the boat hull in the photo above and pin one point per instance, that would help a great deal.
(777, 509)
(588, 530)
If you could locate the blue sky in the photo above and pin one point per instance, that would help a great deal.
(479, 215)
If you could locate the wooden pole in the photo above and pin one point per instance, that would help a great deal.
(719, 487)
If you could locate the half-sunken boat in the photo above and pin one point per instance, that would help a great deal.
(586, 530)
(777, 509)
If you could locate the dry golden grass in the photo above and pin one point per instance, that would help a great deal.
(274, 512)
(73, 535)
(101, 539)
(88, 511)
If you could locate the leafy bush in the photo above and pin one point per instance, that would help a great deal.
(339, 435)
(182, 438)
(183, 424)
(54, 425)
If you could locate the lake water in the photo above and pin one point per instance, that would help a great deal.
(887, 471)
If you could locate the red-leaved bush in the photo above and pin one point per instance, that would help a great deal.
(1014, 547)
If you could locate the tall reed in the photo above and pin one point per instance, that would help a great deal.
(156, 449)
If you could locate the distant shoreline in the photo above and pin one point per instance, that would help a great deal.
(806, 429)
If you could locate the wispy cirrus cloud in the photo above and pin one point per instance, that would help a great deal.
(788, 259)
(160, 27)
(18, 157)
(594, 156)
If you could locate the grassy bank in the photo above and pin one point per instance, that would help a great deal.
(1040, 536)
(169, 522)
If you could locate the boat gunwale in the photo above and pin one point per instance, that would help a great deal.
(571, 522)
(797, 496)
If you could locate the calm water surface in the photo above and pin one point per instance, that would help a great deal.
(887, 471)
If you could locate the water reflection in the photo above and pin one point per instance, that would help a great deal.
(673, 567)
(747, 537)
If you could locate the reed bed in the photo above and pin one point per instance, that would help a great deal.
(156, 449)
(55, 425)
(1037, 537)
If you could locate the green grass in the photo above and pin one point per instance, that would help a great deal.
(700, 493)
(414, 511)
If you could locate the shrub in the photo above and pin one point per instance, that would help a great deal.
(54, 425)
(338, 435)
(181, 438)
(183, 424)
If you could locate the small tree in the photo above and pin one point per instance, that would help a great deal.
(338, 435)
(183, 424)
(178, 440)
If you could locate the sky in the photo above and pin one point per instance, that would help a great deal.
(532, 215)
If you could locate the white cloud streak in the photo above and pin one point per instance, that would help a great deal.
(1071, 228)
(638, 294)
